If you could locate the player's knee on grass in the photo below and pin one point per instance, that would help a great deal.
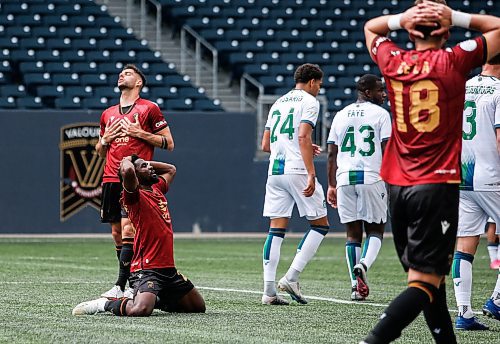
(192, 302)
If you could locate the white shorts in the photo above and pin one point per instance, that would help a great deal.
(474, 209)
(284, 191)
(366, 202)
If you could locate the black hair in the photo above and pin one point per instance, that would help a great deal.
(307, 72)
(367, 82)
(426, 30)
(138, 71)
(494, 60)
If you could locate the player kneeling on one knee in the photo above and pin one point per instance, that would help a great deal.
(157, 283)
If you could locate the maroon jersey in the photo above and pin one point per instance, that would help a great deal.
(154, 237)
(426, 90)
(151, 119)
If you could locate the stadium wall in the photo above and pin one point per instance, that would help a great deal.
(219, 185)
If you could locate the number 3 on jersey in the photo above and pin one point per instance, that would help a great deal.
(470, 117)
(286, 127)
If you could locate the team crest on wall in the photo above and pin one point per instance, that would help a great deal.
(81, 169)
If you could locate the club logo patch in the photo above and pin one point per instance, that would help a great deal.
(81, 169)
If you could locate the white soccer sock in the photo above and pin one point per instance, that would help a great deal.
(496, 292)
(493, 251)
(352, 256)
(371, 249)
(271, 257)
(305, 251)
(462, 282)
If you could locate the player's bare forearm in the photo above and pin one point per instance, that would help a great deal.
(165, 170)
(376, 27)
(306, 150)
(266, 141)
(332, 164)
(101, 150)
(127, 172)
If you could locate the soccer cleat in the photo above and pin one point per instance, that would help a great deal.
(495, 265)
(90, 307)
(359, 271)
(274, 300)
(113, 293)
(355, 295)
(129, 293)
(490, 309)
(293, 289)
(469, 324)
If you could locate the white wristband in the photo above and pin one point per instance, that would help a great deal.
(103, 142)
(394, 22)
(460, 19)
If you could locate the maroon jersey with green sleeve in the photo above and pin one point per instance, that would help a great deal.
(151, 119)
(154, 237)
(426, 91)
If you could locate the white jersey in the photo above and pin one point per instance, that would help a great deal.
(358, 129)
(480, 159)
(285, 116)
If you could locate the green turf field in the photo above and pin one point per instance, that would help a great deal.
(41, 280)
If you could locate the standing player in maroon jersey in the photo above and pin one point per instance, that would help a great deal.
(134, 126)
(157, 283)
(426, 88)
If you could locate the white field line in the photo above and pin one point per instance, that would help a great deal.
(232, 290)
(182, 235)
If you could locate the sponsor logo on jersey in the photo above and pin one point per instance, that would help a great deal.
(160, 123)
(81, 169)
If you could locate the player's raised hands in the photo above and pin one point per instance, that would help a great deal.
(441, 13)
(112, 131)
(419, 15)
(132, 128)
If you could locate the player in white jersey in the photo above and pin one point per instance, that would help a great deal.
(480, 188)
(292, 180)
(361, 131)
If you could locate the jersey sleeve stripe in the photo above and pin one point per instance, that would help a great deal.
(308, 122)
(331, 142)
(485, 50)
(159, 129)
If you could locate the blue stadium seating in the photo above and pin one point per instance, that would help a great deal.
(287, 33)
(68, 54)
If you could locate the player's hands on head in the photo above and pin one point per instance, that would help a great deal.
(420, 15)
(311, 186)
(331, 196)
(430, 13)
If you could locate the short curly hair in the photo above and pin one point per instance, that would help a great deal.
(307, 72)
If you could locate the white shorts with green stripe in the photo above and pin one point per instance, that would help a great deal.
(285, 190)
(366, 202)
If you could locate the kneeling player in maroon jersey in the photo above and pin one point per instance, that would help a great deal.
(156, 281)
